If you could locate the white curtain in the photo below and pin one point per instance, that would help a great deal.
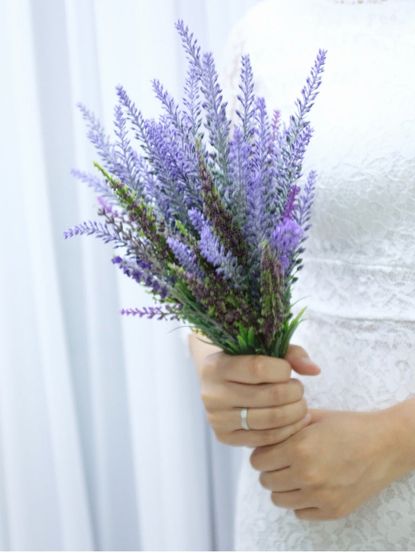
(104, 441)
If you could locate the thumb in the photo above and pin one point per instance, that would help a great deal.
(299, 360)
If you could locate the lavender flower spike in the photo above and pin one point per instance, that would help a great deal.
(209, 217)
(285, 239)
(185, 256)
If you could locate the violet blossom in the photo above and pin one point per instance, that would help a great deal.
(210, 216)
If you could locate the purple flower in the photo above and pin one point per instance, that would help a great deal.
(285, 239)
(141, 272)
(185, 256)
(306, 200)
(246, 98)
(210, 217)
(215, 253)
(100, 186)
(239, 169)
(217, 122)
(290, 203)
(98, 229)
(154, 311)
(196, 218)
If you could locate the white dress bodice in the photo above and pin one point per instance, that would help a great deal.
(358, 279)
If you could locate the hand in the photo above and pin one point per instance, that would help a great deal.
(276, 404)
(333, 465)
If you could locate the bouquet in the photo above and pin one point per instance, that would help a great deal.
(208, 215)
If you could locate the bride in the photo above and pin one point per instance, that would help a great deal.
(343, 479)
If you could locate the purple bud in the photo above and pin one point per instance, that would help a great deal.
(285, 239)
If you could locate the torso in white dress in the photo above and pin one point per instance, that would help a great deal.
(358, 279)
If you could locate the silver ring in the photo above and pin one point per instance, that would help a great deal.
(244, 418)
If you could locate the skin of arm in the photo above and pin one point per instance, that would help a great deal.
(341, 459)
(402, 428)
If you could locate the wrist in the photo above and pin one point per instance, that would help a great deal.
(399, 423)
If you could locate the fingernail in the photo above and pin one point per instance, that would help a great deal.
(308, 361)
(307, 418)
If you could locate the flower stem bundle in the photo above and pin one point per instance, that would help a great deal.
(209, 215)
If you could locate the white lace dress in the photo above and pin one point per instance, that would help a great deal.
(358, 279)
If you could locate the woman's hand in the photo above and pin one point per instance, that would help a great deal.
(276, 406)
(332, 466)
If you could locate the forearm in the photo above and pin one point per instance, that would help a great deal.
(402, 425)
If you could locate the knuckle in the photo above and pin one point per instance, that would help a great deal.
(240, 438)
(224, 437)
(246, 439)
(280, 417)
(220, 436)
(214, 420)
(303, 408)
(254, 461)
(207, 399)
(256, 438)
(311, 477)
(257, 366)
(215, 396)
(264, 437)
(264, 479)
(274, 499)
(285, 368)
(299, 386)
(275, 394)
(273, 417)
(281, 434)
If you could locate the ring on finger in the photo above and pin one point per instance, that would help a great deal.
(244, 418)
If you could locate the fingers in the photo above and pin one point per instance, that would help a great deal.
(275, 456)
(272, 417)
(262, 418)
(300, 361)
(260, 438)
(296, 499)
(281, 480)
(248, 369)
(261, 383)
(233, 394)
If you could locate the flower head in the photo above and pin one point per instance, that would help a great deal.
(208, 216)
(285, 239)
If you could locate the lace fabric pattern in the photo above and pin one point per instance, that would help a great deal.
(358, 279)
(366, 364)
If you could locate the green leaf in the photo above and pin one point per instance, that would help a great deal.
(251, 336)
(243, 345)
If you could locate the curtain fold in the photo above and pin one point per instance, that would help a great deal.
(103, 438)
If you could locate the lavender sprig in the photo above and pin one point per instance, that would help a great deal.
(151, 312)
(211, 217)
